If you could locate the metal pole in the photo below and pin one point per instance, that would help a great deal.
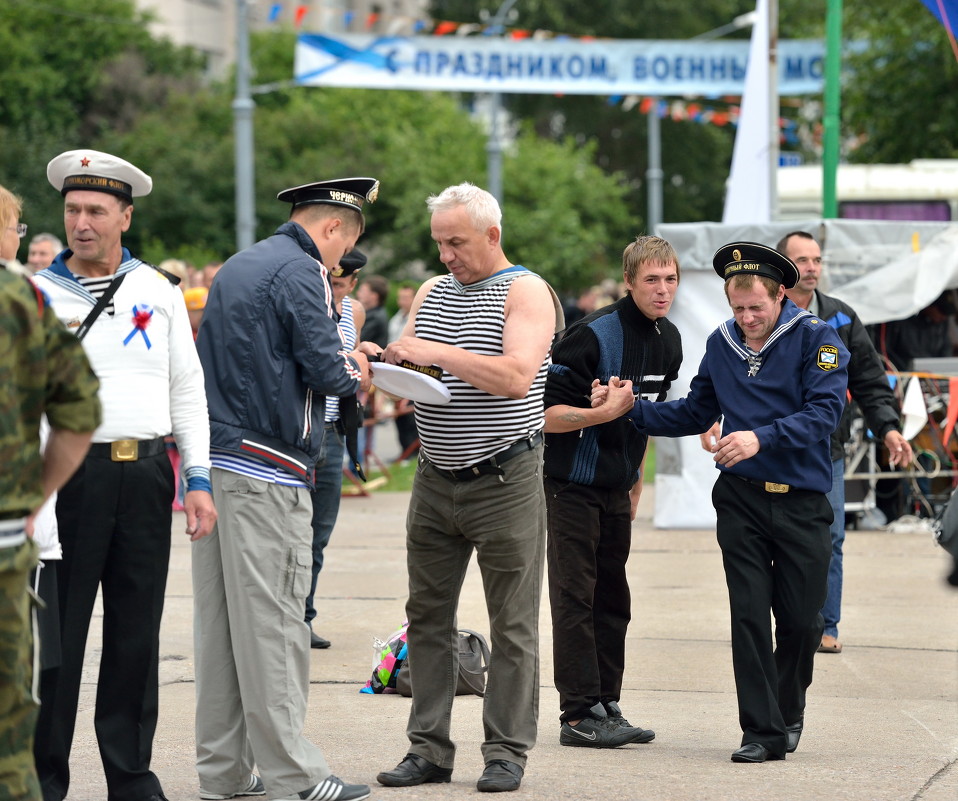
(243, 132)
(494, 147)
(653, 175)
(494, 143)
(773, 109)
(833, 105)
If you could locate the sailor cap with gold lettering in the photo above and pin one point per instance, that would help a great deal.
(751, 258)
(94, 171)
(351, 192)
(351, 263)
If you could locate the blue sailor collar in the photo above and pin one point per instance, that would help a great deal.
(496, 278)
(60, 274)
(790, 316)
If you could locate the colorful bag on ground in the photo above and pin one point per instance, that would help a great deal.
(473, 664)
(391, 657)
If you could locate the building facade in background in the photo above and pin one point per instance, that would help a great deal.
(209, 26)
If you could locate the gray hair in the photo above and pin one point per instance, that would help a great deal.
(45, 237)
(481, 207)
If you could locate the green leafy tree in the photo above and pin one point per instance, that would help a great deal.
(71, 71)
(900, 96)
(145, 101)
(415, 143)
(695, 158)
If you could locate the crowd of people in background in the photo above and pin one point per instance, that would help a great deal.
(196, 400)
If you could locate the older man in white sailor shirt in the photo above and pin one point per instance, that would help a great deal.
(115, 514)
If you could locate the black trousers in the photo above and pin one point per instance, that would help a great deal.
(114, 520)
(776, 549)
(590, 533)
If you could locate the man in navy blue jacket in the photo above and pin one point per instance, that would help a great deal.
(271, 352)
(778, 375)
(868, 387)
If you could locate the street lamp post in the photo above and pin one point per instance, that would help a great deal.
(243, 132)
(494, 143)
(654, 173)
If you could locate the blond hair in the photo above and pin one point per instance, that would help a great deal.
(10, 206)
(647, 249)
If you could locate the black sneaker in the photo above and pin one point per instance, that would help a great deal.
(594, 732)
(615, 717)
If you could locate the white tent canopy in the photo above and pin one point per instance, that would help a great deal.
(884, 270)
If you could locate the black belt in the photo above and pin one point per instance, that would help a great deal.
(335, 425)
(768, 486)
(492, 465)
(128, 450)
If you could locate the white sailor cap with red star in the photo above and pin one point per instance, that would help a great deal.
(94, 171)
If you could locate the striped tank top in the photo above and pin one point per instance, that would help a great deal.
(347, 329)
(474, 424)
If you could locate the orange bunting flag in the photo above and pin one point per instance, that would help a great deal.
(300, 13)
(442, 28)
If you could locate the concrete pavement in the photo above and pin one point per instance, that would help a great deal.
(881, 722)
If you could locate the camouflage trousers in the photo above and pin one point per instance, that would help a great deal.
(18, 705)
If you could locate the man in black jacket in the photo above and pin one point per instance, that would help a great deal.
(593, 478)
(868, 387)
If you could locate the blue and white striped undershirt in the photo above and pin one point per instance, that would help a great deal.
(96, 287)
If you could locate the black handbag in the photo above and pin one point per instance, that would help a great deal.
(473, 664)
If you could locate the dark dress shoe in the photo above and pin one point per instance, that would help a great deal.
(793, 733)
(500, 776)
(315, 641)
(412, 770)
(753, 752)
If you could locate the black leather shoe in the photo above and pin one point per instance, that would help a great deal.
(793, 733)
(500, 776)
(412, 770)
(315, 641)
(753, 752)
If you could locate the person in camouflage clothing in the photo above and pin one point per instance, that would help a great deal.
(43, 370)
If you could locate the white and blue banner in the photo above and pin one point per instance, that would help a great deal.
(553, 66)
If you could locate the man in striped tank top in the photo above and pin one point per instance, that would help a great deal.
(488, 324)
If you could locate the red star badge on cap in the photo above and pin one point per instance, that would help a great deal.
(84, 162)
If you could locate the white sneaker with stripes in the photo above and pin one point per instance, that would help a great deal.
(253, 787)
(332, 789)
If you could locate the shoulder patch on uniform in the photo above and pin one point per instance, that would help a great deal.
(827, 357)
(173, 279)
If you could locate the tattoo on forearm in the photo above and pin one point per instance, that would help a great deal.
(572, 417)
